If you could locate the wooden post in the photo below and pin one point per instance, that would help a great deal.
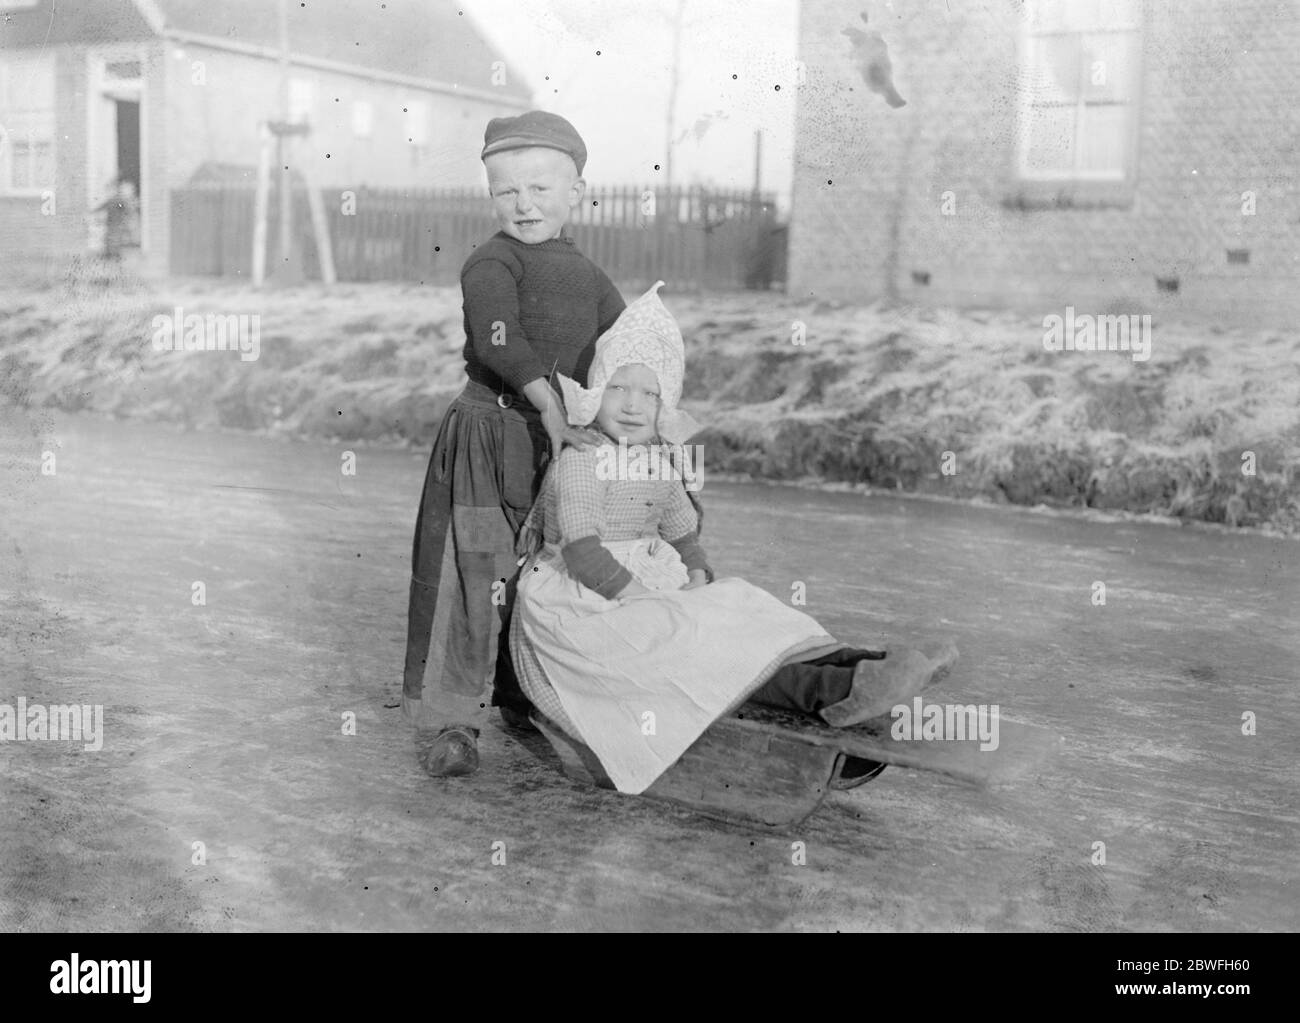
(282, 145)
(320, 227)
(260, 208)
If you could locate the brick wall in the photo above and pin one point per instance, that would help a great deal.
(156, 144)
(36, 235)
(185, 124)
(218, 121)
(43, 244)
(1218, 115)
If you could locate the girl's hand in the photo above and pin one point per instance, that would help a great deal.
(698, 577)
(633, 589)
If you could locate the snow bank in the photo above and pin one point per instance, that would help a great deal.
(965, 404)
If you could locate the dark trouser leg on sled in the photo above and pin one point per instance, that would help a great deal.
(852, 686)
(809, 686)
(824, 682)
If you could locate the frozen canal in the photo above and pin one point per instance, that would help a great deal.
(223, 722)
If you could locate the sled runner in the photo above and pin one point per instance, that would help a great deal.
(771, 767)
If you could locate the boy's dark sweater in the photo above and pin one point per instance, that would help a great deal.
(550, 303)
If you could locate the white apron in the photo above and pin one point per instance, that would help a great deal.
(642, 679)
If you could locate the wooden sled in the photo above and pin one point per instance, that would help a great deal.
(771, 767)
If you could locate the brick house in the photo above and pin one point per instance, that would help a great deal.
(151, 90)
(1125, 155)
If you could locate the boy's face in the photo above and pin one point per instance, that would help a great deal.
(629, 408)
(533, 192)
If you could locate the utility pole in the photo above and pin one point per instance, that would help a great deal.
(286, 209)
(758, 162)
(672, 92)
(289, 270)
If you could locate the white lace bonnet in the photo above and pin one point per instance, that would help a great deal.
(645, 332)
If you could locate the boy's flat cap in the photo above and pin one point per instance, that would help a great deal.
(534, 128)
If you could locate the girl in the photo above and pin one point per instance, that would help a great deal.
(620, 634)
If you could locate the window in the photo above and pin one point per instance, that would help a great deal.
(302, 100)
(415, 122)
(31, 164)
(1079, 91)
(26, 122)
(363, 119)
(122, 71)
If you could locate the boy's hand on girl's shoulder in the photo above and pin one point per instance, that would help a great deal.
(561, 432)
(582, 437)
(573, 436)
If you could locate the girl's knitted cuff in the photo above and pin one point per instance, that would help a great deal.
(692, 554)
(589, 561)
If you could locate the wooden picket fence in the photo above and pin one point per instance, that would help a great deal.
(692, 238)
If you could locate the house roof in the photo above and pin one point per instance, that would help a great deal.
(47, 23)
(430, 39)
(426, 39)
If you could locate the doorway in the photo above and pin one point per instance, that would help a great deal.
(115, 151)
(128, 141)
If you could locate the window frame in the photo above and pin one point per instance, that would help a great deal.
(101, 84)
(1031, 189)
(363, 119)
(300, 99)
(418, 115)
(28, 126)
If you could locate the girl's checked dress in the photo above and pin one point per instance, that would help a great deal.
(638, 680)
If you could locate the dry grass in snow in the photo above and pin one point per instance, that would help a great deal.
(886, 397)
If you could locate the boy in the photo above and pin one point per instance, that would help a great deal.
(533, 306)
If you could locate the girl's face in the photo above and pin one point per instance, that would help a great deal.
(629, 409)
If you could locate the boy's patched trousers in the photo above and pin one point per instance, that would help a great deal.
(484, 472)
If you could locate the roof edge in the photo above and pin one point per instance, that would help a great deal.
(343, 67)
(151, 13)
(501, 55)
